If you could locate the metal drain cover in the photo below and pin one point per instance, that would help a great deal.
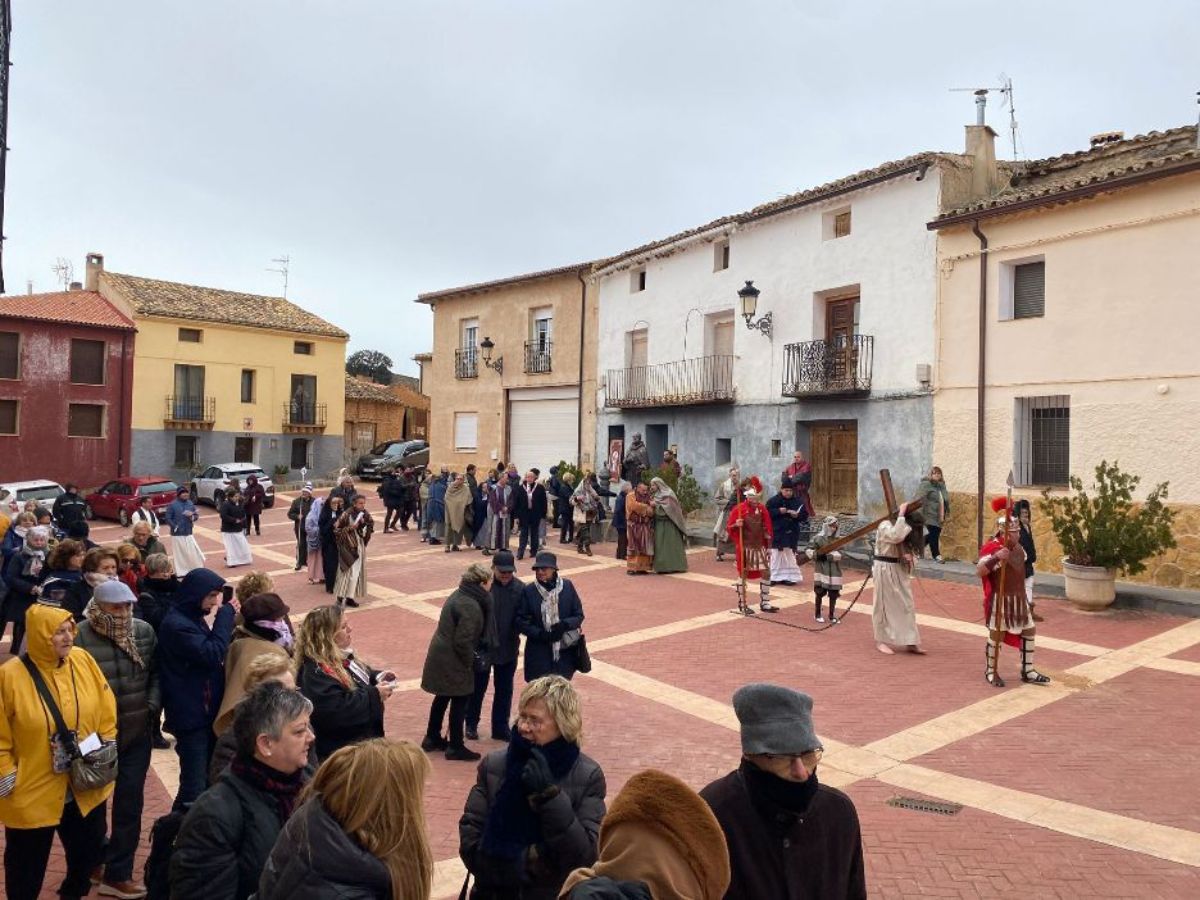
(931, 806)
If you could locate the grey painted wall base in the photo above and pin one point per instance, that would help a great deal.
(154, 451)
(893, 433)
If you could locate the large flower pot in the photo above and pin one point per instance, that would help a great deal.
(1090, 587)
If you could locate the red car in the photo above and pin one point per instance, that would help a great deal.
(118, 499)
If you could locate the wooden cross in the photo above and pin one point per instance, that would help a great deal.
(889, 496)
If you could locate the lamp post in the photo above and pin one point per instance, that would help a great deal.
(487, 345)
(748, 297)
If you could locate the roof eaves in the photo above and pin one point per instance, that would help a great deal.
(484, 286)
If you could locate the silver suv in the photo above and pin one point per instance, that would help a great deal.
(211, 484)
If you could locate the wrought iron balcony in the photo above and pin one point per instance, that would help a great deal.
(190, 412)
(300, 417)
(537, 357)
(466, 364)
(685, 382)
(841, 368)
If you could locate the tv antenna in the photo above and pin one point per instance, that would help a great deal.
(1006, 91)
(284, 261)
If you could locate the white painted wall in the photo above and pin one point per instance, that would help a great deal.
(889, 254)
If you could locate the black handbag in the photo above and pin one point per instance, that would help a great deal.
(88, 771)
(583, 659)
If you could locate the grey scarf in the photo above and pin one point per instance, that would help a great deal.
(550, 609)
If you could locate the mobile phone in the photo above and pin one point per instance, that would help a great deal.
(226, 593)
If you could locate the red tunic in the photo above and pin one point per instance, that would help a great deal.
(991, 580)
(753, 559)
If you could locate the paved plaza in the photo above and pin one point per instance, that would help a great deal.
(1083, 788)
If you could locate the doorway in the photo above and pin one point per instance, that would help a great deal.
(656, 444)
(834, 457)
(304, 400)
(243, 449)
(841, 325)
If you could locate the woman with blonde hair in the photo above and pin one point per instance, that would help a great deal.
(534, 813)
(261, 670)
(360, 830)
(347, 694)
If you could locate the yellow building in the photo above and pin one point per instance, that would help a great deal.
(223, 377)
(1083, 319)
(512, 375)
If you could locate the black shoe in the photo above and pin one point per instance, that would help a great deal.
(472, 734)
(434, 541)
(158, 742)
(350, 601)
(462, 754)
(430, 744)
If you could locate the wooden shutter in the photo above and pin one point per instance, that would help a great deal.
(85, 420)
(87, 362)
(1029, 290)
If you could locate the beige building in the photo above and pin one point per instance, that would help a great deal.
(512, 375)
(378, 413)
(1067, 326)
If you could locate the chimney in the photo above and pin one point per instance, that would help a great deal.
(75, 286)
(95, 265)
(981, 148)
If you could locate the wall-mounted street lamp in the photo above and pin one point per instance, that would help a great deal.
(487, 345)
(748, 297)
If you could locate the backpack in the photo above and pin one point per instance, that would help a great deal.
(157, 873)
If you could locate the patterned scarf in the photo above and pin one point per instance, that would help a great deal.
(550, 609)
(117, 628)
(284, 788)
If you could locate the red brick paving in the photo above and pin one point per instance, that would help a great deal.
(1123, 746)
(1191, 654)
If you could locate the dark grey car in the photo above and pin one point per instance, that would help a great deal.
(389, 455)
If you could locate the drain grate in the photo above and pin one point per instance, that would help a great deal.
(931, 806)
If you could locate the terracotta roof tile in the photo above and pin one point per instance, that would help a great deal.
(68, 307)
(430, 296)
(362, 389)
(151, 297)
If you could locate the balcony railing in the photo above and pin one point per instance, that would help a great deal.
(466, 364)
(685, 382)
(190, 412)
(304, 418)
(839, 368)
(537, 357)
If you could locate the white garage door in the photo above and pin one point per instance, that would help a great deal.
(543, 427)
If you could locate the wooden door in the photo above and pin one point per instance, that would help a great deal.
(840, 327)
(834, 460)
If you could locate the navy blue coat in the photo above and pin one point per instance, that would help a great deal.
(618, 521)
(539, 652)
(191, 656)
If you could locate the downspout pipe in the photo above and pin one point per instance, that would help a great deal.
(980, 382)
(582, 329)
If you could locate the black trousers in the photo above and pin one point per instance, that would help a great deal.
(127, 801)
(622, 544)
(933, 538)
(301, 546)
(253, 519)
(501, 699)
(329, 563)
(391, 516)
(530, 533)
(458, 714)
(27, 851)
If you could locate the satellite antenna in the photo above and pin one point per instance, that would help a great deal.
(1006, 90)
(282, 270)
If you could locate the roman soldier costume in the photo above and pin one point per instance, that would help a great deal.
(1006, 607)
(749, 530)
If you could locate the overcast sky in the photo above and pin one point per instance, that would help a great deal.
(392, 147)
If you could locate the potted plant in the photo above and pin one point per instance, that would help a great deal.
(1104, 533)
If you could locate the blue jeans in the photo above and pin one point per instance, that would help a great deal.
(501, 700)
(195, 749)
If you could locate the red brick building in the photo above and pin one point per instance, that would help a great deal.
(66, 388)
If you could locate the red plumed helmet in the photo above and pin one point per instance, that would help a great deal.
(1001, 504)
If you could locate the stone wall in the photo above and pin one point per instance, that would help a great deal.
(1177, 568)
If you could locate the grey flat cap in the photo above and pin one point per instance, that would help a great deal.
(774, 719)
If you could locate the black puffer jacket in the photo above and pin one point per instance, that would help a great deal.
(134, 686)
(340, 715)
(314, 859)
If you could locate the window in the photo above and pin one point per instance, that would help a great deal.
(247, 385)
(466, 431)
(776, 449)
(841, 224)
(1042, 440)
(87, 362)
(303, 410)
(637, 280)
(8, 416)
(185, 451)
(85, 420)
(243, 449)
(190, 335)
(724, 451)
(721, 256)
(835, 224)
(470, 338)
(188, 402)
(300, 453)
(303, 348)
(10, 354)
(1029, 290)
(543, 328)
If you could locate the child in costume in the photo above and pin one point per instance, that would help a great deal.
(827, 567)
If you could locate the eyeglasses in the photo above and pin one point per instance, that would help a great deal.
(808, 759)
(531, 722)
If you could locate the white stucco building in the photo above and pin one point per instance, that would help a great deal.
(847, 271)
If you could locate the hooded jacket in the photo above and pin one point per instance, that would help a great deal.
(192, 655)
(38, 797)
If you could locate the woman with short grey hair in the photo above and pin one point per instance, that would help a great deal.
(229, 832)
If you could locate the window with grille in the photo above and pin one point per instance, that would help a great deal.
(87, 362)
(1029, 290)
(8, 416)
(1042, 440)
(85, 420)
(185, 451)
(10, 354)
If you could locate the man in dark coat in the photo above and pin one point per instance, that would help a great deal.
(620, 523)
(410, 498)
(500, 643)
(529, 508)
(255, 498)
(69, 508)
(391, 492)
(789, 837)
(298, 512)
(192, 674)
(550, 616)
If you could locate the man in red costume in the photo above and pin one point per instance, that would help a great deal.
(749, 530)
(1006, 607)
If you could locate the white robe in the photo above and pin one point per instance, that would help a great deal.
(186, 553)
(894, 616)
(237, 549)
(784, 566)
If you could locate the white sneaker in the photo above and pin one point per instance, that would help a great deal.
(821, 619)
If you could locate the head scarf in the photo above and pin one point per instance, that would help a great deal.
(117, 627)
(585, 496)
(665, 497)
(458, 498)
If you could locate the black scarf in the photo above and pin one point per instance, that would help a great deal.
(284, 788)
(512, 825)
(780, 801)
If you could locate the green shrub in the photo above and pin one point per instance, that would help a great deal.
(1105, 529)
(685, 486)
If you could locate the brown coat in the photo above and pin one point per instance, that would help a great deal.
(244, 649)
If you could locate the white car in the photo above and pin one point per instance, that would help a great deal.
(211, 484)
(14, 494)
